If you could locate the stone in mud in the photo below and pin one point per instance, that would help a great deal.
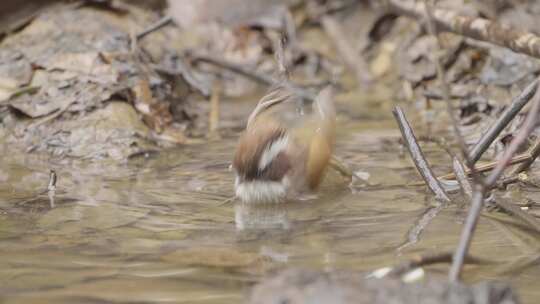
(296, 286)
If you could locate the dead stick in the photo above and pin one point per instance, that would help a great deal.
(258, 77)
(534, 152)
(473, 27)
(489, 166)
(418, 156)
(496, 128)
(430, 259)
(154, 27)
(519, 139)
(441, 76)
(461, 176)
(467, 234)
(249, 73)
(480, 191)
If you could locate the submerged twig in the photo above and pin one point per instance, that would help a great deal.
(418, 156)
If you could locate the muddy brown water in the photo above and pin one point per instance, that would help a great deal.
(156, 230)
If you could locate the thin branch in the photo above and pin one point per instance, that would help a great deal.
(462, 178)
(430, 259)
(441, 75)
(480, 191)
(488, 166)
(494, 130)
(467, 233)
(534, 152)
(249, 73)
(519, 139)
(473, 27)
(253, 75)
(418, 156)
(154, 27)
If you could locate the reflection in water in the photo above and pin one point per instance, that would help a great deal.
(261, 216)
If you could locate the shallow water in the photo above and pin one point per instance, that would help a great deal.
(157, 229)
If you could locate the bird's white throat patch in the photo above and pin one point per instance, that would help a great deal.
(272, 151)
(260, 191)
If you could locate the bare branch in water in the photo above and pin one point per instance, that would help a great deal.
(506, 117)
(519, 139)
(480, 191)
(534, 152)
(461, 177)
(418, 156)
(467, 233)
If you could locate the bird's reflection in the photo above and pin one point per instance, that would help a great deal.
(261, 216)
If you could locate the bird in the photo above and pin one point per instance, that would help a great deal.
(286, 147)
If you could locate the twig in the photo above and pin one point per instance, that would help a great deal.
(489, 166)
(338, 165)
(473, 27)
(418, 157)
(462, 178)
(494, 130)
(534, 152)
(258, 77)
(419, 261)
(446, 93)
(249, 73)
(154, 27)
(51, 116)
(467, 233)
(480, 191)
(519, 139)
